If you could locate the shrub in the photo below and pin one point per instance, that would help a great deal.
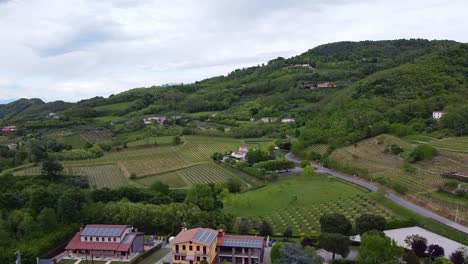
(422, 152)
(304, 163)
(275, 252)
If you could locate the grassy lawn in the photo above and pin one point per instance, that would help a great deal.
(156, 256)
(298, 202)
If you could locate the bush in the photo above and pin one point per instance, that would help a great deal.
(275, 252)
(422, 152)
(304, 163)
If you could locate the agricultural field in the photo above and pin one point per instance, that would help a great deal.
(184, 178)
(165, 140)
(453, 144)
(418, 181)
(109, 176)
(299, 201)
(318, 148)
(94, 136)
(75, 140)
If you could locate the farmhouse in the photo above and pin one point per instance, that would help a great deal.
(53, 115)
(462, 176)
(437, 114)
(154, 119)
(326, 85)
(8, 129)
(105, 241)
(267, 119)
(240, 155)
(213, 246)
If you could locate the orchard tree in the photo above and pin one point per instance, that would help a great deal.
(435, 251)
(52, 169)
(335, 223)
(376, 249)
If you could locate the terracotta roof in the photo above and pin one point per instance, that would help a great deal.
(127, 241)
(77, 244)
(461, 174)
(195, 234)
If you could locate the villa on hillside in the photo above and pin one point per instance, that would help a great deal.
(118, 242)
(326, 85)
(154, 119)
(240, 155)
(437, 114)
(213, 246)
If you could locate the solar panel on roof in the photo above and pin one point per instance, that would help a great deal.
(204, 236)
(128, 239)
(102, 231)
(235, 242)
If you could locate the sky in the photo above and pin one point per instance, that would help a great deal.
(75, 49)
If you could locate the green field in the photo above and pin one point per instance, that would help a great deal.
(94, 136)
(74, 140)
(299, 201)
(99, 176)
(167, 140)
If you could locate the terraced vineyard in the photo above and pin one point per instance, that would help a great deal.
(152, 141)
(94, 136)
(199, 149)
(157, 164)
(202, 173)
(319, 148)
(99, 176)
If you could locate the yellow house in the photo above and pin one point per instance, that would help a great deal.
(194, 245)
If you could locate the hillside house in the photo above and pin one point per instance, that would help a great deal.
(267, 119)
(288, 120)
(154, 119)
(105, 241)
(53, 115)
(437, 114)
(326, 85)
(462, 176)
(240, 155)
(309, 85)
(213, 246)
(8, 129)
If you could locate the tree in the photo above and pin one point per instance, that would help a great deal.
(69, 205)
(308, 171)
(435, 251)
(176, 140)
(52, 169)
(457, 257)
(418, 244)
(441, 260)
(335, 223)
(411, 258)
(234, 185)
(377, 249)
(368, 222)
(293, 253)
(307, 241)
(243, 227)
(202, 196)
(47, 219)
(160, 187)
(255, 156)
(275, 252)
(335, 243)
(287, 233)
(304, 163)
(264, 229)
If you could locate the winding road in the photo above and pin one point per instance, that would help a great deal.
(390, 196)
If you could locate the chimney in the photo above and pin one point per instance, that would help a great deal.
(184, 229)
(220, 232)
(81, 228)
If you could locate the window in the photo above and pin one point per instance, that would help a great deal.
(190, 248)
(183, 247)
(204, 258)
(198, 258)
(85, 238)
(198, 248)
(115, 239)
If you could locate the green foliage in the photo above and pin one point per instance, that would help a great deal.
(176, 140)
(52, 169)
(335, 243)
(368, 222)
(422, 152)
(201, 195)
(308, 171)
(255, 156)
(243, 227)
(287, 233)
(304, 163)
(441, 260)
(377, 249)
(335, 223)
(275, 165)
(275, 252)
(264, 229)
(293, 253)
(411, 258)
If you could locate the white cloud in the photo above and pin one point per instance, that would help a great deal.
(77, 49)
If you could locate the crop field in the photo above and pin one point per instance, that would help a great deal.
(153, 165)
(101, 176)
(319, 148)
(299, 201)
(186, 177)
(167, 140)
(94, 136)
(423, 180)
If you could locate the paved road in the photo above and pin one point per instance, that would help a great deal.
(390, 196)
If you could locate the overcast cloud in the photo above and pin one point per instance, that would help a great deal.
(75, 49)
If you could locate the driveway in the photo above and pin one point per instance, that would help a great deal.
(390, 196)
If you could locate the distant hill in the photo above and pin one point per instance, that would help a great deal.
(381, 87)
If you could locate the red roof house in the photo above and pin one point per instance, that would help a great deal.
(101, 241)
(326, 85)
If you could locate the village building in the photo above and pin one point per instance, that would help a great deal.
(213, 246)
(8, 129)
(437, 114)
(240, 155)
(105, 241)
(53, 115)
(154, 119)
(326, 85)
(267, 119)
(288, 120)
(462, 176)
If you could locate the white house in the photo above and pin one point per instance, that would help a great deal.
(240, 155)
(154, 119)
(288, 120)
(437, 114)
(267, 119)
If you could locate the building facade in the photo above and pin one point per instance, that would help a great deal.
(101, 241)
(213, 246)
